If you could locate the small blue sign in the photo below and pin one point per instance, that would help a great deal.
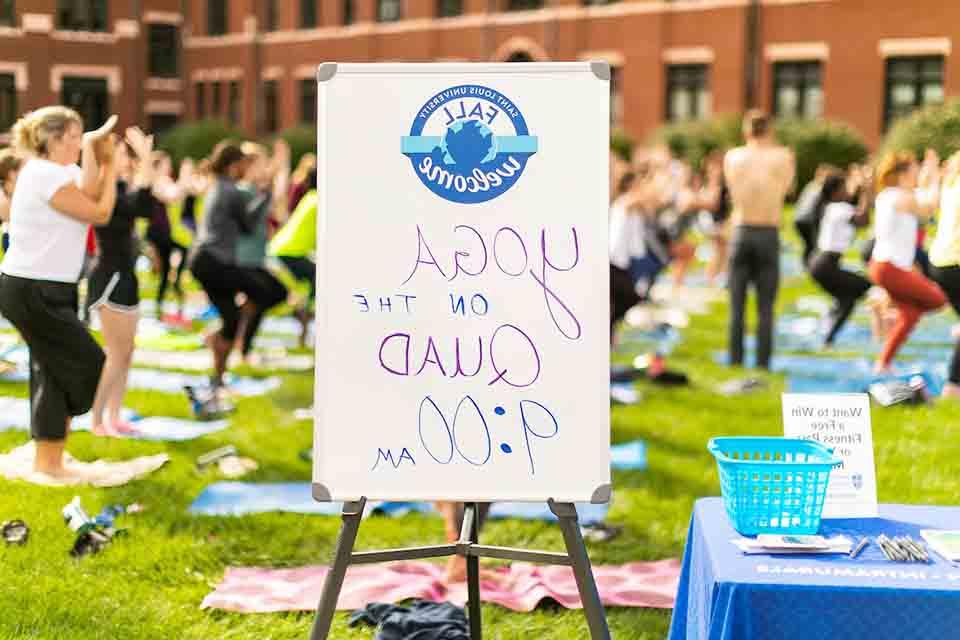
(469, 144)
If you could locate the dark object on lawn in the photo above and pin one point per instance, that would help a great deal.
(307, 455)
(421, 620)
(89, 541)
(621, 373)
(215, 456)
(741, 387)
(93, 534)
(891, 392)
(15, 531)
(600, 532)
(651, 367)
(208, 405)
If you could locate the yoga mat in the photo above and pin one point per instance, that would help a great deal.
(173, 382)
(18, 465)
(518, 587)
(203, 360)
(239, 498)
(15, 414)
(173, 341)
(860, 384)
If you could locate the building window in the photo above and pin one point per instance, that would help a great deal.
(200, 95)
(524, 5)
(389, 10)
(164, 50)
(797, 90)
(598, 3)
(912, 83)
(88, 97)
(616, 97)
(348, 14)
(216, 17)
(308, 14)
(160, 123)
(270, 106)
(449, 8)
(217, 109)
(308, 100)
(688, 92)
(233, 102)
(82, 15)
(8, 101)
(8, 17)
(272, 20)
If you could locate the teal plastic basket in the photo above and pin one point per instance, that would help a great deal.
(773, 485)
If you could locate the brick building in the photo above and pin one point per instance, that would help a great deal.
(157, 62)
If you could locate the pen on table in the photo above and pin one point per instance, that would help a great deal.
(860, 546)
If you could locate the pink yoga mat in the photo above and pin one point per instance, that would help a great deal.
(521, 586)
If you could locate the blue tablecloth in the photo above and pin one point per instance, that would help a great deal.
(726, 595)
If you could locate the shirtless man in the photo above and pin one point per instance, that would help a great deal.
(759, 176)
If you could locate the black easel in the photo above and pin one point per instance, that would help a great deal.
(468, 547)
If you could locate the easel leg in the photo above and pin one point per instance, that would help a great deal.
(592, 607)
(352, 513)
(471, 530)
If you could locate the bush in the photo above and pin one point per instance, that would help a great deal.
(696, 139)
(302, 139)
(935, 127)
(817, 142)
(813, 141)
(197, 139)
(622, 145)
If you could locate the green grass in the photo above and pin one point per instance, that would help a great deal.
(150, 584)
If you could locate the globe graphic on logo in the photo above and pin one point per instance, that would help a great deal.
(468, 144)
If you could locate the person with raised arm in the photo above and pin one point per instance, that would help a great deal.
(54, 203)
(907, 196)
(114, 289)
(759, 175)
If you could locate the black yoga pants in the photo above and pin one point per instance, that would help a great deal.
(754, 260)
(65, 360)
(846, 287)
(223, 281)
(302, 268)
(949, 280)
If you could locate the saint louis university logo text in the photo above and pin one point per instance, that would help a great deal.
(469, 144)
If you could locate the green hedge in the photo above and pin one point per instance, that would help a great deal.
(814, 141)
(302, 139)
(936, 127)
(696, 139)
(817, 142)
(197, 139)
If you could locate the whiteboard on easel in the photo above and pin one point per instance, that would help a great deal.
(462, 309)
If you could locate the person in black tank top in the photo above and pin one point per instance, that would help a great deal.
(113, 286)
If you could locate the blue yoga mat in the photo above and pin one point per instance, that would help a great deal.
(799, 384)
(240, 498)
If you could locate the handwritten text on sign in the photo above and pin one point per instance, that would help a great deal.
(459, 432)
(841, 422)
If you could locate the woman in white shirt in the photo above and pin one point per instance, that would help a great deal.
(53, 205)
(839, 221)
(900, 206)
(945, 257)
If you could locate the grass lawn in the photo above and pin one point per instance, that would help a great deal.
(150, 584)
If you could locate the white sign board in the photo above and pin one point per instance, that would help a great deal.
(842, 423)
(462, 313)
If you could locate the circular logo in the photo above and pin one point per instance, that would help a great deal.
(469, 144)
